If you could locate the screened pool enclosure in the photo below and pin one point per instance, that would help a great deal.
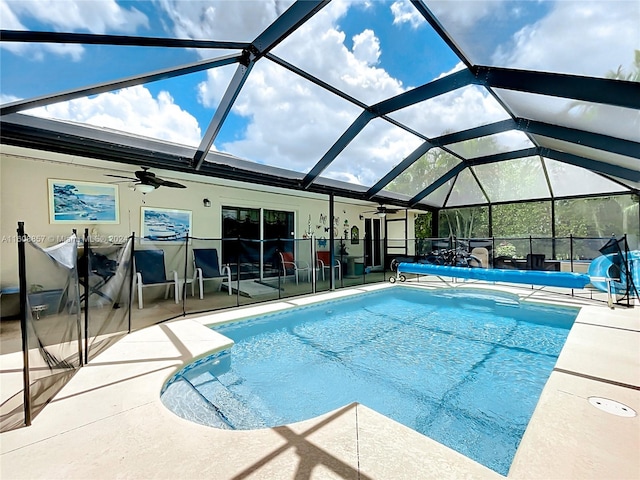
(502, 120)
(511, 127)
(421, 104)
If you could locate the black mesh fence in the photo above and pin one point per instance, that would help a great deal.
(294, 262)
(119, 288)
(208, 274)
(161, 275)
(210, 279)
(571, 254)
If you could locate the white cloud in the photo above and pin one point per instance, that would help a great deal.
(464, 108)
(8, 19)
(240, 21)
(464, 14)
(584, 38)
(377, 149)
(292, 123)
(320, 48)
(291, 129)
(132, 110)
(67, 16)
(79, 15)
(7, 98)
(211, 91)
(288, 127)
(366, 47)
(404, 12)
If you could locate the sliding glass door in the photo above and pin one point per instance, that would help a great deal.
(243, 224)
(262, 233)
(373, 242)
(278, 233)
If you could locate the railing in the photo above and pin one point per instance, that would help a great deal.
(572, 253)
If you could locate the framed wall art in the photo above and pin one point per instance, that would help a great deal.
(355, 235)
(162, 224)
(72, 201)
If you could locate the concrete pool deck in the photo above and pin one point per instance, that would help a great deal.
(109, 422)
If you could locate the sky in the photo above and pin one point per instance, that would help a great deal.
(372, 50)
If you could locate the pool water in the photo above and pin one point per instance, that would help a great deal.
(463, 367)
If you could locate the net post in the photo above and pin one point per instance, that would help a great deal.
(184, 281)
(132, 274)
(332, 247)
(313, 264)
(22, 274)
(87, 292)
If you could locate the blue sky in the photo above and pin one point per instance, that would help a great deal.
(372, 50)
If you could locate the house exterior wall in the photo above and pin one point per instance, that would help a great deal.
(24, 175)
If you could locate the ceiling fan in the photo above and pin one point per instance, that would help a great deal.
(381, 211)
(147, 181)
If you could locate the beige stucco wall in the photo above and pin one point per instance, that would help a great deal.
(24, 175)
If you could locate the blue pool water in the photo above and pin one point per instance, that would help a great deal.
(463, 367)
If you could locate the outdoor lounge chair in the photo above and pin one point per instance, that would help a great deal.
(150, 272)
(290, 266)
(481, 254)
(207, 267)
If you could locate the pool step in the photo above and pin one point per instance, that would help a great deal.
(227, 405)
(184, 400)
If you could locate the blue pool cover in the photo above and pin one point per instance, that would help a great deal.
(530, 277)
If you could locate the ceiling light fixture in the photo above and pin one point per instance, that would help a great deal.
(381, 214)
(144, 188)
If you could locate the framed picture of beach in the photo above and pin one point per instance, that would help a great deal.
(167, 225)
(72, 201)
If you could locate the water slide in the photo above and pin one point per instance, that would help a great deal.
(606, 266)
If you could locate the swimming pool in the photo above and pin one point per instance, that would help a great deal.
(464, 367)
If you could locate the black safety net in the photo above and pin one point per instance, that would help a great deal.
(105, 275)
(51, 317)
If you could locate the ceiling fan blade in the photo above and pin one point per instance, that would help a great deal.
(149, 178)
(168, 183)
(120, 176)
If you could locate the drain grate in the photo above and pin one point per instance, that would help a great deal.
(613, 407)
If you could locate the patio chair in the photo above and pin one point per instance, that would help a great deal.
(207, 267)
(481, 254)
(101, 270)
(290, 266)
(535, 261)
(324, 263)
(150, 272)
